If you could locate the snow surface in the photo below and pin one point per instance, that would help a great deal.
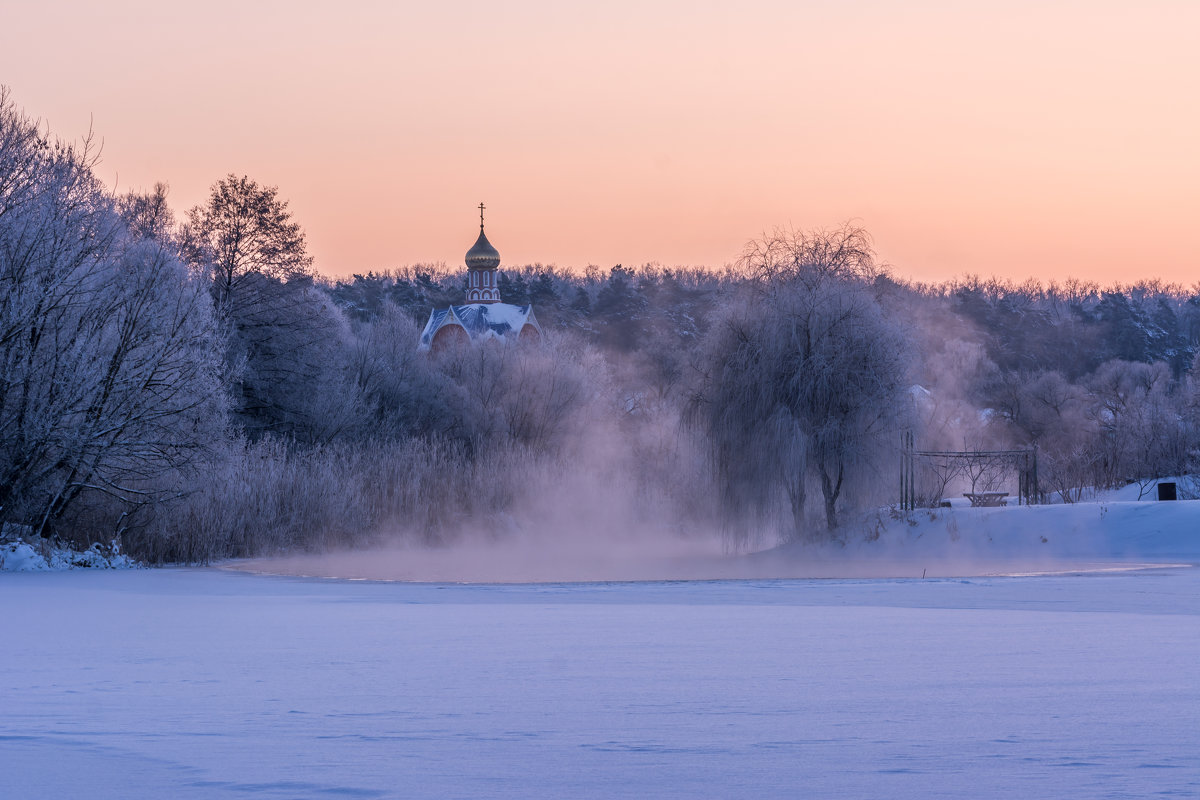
(971, 541)
(190, 683)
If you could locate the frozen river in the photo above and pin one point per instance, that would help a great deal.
(208, 683)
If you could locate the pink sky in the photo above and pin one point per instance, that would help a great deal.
(1020, 139)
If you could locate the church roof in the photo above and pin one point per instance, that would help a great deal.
(481, 321)
(482, 255)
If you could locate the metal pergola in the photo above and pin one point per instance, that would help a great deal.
(972, 462)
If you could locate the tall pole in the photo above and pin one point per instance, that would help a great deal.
(1036, 493)
(912, 473)
(908, 489)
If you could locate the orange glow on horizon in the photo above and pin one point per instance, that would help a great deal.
(1017, 139)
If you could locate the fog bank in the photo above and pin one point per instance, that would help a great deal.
(959, 542)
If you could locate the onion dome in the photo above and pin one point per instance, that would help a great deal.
(482, 255)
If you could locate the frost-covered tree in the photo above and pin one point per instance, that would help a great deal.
(518, 394)
(244, 230)
(1141, 416)
(109, 367)
(148, 215)
(282, 333)
(804, 377)
(403, 391)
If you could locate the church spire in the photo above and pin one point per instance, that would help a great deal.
(482, 261)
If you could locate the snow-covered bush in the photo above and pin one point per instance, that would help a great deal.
(20, 556)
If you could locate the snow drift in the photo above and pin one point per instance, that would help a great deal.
(22, 556)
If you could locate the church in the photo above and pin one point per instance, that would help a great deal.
(484, 317)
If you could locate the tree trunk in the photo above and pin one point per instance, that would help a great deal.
(831, 489)
(798, 496)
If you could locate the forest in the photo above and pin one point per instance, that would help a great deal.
(189, 384)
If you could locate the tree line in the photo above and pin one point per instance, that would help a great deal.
(191, 386)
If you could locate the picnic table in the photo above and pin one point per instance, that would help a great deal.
(987, 498)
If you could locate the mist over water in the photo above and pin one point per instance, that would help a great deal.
(593, 517)
(531, 562)
(1013, 542)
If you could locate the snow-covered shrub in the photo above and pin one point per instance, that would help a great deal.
(54, 555)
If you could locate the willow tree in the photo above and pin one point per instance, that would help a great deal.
(803, 375)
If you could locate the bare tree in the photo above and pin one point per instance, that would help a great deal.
(148, 215)
(244, 230)
(516, 393)
(109, 376)
(282, 332)
(405, 394)
(1135, 422)
(1142, 415)
(934, 477)
(805, 375)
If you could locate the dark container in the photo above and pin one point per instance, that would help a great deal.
(1166, 490)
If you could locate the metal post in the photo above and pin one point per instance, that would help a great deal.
(912, 474)
(1037, 495)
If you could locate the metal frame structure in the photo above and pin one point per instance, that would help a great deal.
(1023, 461)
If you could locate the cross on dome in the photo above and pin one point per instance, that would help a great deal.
(482, 261)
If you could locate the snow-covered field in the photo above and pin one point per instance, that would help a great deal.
(187, 683)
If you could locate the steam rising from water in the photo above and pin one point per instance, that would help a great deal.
(589, 536)
(1015, 542)
(629, 502)
(523, 563)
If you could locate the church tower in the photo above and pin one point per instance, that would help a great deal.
(482, 261)
(483, 318)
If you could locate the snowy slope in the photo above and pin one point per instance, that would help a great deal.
(966, 541)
